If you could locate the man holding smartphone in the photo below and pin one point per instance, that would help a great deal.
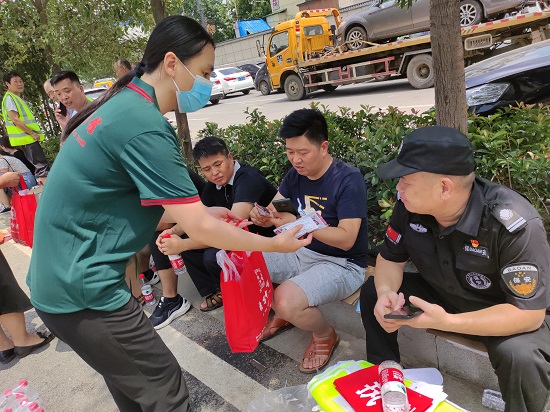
(70, 95)
(331, 268)
(483, 259)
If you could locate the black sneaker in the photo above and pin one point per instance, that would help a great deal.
(4, 208)
(166, 311)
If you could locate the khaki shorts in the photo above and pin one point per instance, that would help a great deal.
(323, 278)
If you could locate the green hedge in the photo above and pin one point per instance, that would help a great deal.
(512, 148)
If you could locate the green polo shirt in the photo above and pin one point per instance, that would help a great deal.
(102, 202)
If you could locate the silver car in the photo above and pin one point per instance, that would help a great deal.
(384, 20)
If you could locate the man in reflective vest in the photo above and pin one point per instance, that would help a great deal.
(21, 126)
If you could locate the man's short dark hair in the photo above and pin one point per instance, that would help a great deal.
(10, 75)
(305, 122)
(65, 74)
(5, 141)
(209, 146)
(125, 63)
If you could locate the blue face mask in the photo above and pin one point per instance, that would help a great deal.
(197, 97)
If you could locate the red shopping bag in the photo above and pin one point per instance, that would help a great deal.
(247, 295)
(23, 209)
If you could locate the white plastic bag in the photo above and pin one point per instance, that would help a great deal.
(289, 399)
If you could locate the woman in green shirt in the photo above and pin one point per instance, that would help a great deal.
(119, 170)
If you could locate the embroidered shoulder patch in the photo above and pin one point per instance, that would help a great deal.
(393, 235)
(509, 218)
(521, 279)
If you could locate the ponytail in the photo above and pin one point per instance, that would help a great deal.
(179, 34)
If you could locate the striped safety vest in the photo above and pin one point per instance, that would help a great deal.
(17, 136)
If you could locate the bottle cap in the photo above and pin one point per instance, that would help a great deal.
(141, 276)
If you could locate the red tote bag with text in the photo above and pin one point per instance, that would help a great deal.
(247, 294)
(23, 210)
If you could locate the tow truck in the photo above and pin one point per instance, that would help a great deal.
(302, 55)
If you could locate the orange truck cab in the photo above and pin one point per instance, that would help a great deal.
(294, 41)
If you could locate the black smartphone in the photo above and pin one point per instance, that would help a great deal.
(284, 205)
(62, 109)
(406, 312)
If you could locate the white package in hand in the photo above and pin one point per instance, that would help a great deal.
(311, 222)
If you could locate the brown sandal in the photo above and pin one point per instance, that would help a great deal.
(274, 327)
(214, 301)
(320, 347)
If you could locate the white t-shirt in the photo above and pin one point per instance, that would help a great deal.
(10, 104)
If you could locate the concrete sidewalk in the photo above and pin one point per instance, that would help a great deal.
(218, 380)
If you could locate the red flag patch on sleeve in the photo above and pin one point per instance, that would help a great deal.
(393, 235)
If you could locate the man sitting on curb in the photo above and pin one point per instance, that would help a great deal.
(231, 185)
(332, 267)
(483, 260)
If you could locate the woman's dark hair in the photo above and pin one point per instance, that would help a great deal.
(179, 34)
(209, 146)
(305, 122)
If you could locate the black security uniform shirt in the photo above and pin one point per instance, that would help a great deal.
(497, 252)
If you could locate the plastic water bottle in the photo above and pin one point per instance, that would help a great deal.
(147, 292)
(176, 261)
(493, 399)
(392, 387)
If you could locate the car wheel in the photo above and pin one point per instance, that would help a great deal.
(245, 92)
(420, 71)
(264, 88)
(471, 13)
(356, 37)
(215, 101)
(294, 88)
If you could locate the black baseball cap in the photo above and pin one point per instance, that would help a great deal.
(434, 149)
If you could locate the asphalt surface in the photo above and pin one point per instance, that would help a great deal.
(218, 380)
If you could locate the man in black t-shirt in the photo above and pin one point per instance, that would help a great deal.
(233, 186)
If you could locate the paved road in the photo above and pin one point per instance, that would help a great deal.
(229, 111)
(218, 380)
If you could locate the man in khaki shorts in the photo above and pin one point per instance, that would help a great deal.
(331, 268)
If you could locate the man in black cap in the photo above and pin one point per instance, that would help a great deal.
(483, 260)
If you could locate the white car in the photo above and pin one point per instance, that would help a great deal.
(217, 91)
(233, 80)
